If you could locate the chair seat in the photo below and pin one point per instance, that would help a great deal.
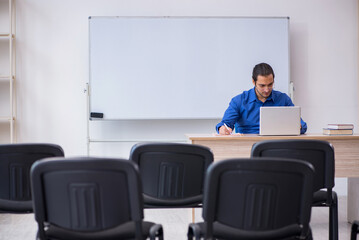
(124, 231)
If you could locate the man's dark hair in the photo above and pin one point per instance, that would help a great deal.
(262, 69)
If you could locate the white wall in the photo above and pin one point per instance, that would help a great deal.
(52, 66)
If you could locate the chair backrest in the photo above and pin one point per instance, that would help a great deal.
(268, 198)
(86, 194)
(319, 153)
(15, 162)
(172, 173)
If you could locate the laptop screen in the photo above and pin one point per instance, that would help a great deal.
(279, 120)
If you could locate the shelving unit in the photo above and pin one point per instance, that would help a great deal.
(7, 71)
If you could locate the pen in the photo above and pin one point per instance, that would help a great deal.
(225, 125)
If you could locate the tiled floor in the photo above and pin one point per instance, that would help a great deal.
(174, 221)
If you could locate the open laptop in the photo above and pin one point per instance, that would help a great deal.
(279, 121)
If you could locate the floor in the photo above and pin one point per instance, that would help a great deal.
(23, 226)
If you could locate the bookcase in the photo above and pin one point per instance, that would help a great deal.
(7, 71)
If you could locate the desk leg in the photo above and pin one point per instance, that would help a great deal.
(353, 199)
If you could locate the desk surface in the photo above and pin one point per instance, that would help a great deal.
(346, 148)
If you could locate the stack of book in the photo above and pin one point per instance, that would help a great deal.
(338, 129)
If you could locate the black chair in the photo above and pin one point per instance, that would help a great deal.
(355, 230)
(321, 155)
(15, 163)
(248, 199)
(172, 173)
(89, 198)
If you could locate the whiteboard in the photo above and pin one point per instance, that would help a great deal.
(180, 67)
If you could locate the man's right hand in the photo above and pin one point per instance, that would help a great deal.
(224, 131)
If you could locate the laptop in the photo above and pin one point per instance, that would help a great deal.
(279, 121)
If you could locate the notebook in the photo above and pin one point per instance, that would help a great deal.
(279, 121)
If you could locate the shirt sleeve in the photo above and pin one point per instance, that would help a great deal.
(231, 115)
(288, 100)
(303, 124)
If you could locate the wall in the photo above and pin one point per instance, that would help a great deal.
(52, 66)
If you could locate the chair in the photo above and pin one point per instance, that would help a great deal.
(321, 155)
(172, 173)
(15, 163)
(89, 198)
(247, 199)
(355, 230)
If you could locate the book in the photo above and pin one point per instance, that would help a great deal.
(340, 126)
(327, 131)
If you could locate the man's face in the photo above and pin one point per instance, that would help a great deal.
(264, 86)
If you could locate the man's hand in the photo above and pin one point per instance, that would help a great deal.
(223, 130)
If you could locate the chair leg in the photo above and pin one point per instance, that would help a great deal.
(160, 237)
(310, 234)
(193, 231)
(333, 218)
(190, 234)
(355, 230)
(40, 235)
(156, 231)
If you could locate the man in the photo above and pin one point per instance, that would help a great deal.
(243, 110)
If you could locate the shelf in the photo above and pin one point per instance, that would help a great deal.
(5, 78)
(6, 36)
(5, 119)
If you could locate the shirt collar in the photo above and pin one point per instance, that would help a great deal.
(253, 96)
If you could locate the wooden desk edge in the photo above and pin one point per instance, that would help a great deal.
(216, 137)
(346, 148)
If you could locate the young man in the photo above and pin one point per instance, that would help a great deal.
(243, 110)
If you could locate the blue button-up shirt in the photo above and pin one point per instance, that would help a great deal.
(243, 111)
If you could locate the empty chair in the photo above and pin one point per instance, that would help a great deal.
(321, 155)
(256, 199)
(172, 173)
(355, 230)
(15, 163)
(89, 198)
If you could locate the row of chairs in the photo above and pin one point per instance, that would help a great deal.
(68, 201)
(158, 160)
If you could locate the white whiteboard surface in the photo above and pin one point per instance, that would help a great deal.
(180, 67)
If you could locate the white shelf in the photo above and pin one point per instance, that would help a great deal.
(6, 36)
(5, 119)
(7, 79)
